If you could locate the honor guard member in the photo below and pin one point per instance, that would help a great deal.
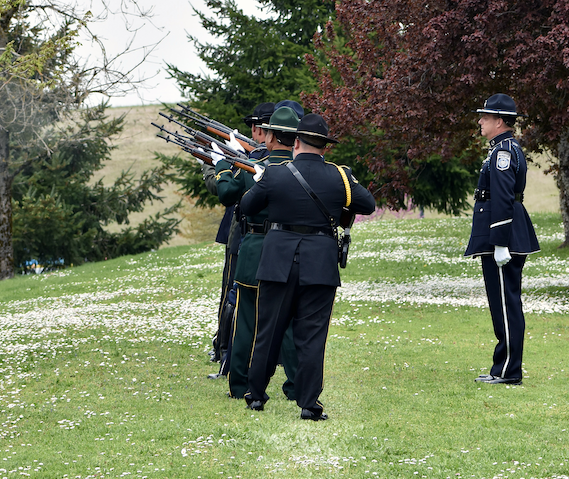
(230, 235)
(260, 115)
(280, 134)
(298, 271)
(502, 235)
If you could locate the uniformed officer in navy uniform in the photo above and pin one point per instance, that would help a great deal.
(502, 235)
(298, 271)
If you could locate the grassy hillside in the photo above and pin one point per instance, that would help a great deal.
(104, 370)
(136, 147)
(135, 150)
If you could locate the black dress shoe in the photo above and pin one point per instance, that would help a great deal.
(308, 414)
(256, 406)
(488, 379)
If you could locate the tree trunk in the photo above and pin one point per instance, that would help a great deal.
(563, 184)
(6, 249)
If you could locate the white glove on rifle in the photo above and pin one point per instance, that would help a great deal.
(199, 160)
(218, 155)
(233, 143)
(259, 170)
(502, 255)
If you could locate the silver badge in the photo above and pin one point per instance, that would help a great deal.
(503, 160)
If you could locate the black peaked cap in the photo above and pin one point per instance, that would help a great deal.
(315, 126)
(261, 114)
(500, 104)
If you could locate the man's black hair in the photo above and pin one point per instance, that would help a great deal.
(311, 141)
(285, 138)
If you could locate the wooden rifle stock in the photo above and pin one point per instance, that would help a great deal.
(208, 160)
(221, 133)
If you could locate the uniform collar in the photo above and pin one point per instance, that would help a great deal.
(501, 137)
(280, 155)
(308, 156)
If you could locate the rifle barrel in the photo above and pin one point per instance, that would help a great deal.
(206, 122)
(205, 154)
(204, 138)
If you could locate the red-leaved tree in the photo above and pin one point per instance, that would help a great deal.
(412, 72)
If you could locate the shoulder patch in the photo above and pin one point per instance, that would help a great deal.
(503, 160)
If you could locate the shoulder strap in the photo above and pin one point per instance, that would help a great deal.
(310, 191)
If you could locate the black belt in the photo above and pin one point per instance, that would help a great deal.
(484, 195)
(256, 228)
(305, 230)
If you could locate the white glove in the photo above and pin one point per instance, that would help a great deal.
(259, 170)
(501, 255)
(233, 143)
(199, 160)
(218, 155)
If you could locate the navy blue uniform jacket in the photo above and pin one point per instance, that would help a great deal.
(288, 203)
(502, 221)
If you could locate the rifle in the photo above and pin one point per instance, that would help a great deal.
(215, 127)
(203, 151)
(203, 138)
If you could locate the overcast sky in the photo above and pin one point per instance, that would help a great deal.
(168, 24)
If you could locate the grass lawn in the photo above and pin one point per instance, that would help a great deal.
(104, 370)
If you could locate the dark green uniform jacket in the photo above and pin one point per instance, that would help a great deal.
(231, 187)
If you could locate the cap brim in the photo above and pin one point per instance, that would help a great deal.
(497, 112)
(286, 129)
(317, 135)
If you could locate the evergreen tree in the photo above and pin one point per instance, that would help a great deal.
(47, 155)
(256, 60)
(59, 215)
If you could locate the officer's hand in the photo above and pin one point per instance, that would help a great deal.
(259, 170)
(233, 143)
(502, 255)
(218, 155)
(199, 160)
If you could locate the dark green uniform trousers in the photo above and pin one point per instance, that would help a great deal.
(243, 335)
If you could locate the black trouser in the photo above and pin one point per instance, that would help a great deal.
(311, 308)
(504, 289)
